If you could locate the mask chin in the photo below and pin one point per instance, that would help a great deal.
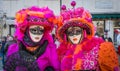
(35, 38)
(36, 33)
(76, 39)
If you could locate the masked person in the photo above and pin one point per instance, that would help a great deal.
(79, 49)
(35, 50)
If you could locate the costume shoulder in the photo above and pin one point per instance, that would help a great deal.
(108, 59)
(89, 44)
(12, 49)
(51, 45)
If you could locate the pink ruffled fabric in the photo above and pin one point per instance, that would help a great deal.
(89, 51)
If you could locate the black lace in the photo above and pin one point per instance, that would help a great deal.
(27, 63)
(38, 52)
(24, 58)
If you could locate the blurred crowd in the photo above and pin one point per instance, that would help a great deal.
(4, 44)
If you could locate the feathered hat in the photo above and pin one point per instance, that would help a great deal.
(33, 16)
(74, 17)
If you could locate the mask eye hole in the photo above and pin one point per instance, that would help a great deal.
(33, 31)
(36, 30)
(69, 33)
(78, 32)
(41, 31)
(74, 31)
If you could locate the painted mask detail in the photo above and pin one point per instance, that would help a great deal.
(74, 34)
(36, 32)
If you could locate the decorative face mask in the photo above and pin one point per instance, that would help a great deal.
(74, 34)
(36, 32)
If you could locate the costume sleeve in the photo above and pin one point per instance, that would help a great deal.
(54, 58)
(10, 63)
(12, 49)
(108, 59)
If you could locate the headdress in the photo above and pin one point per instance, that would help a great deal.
(75, 17)
(34, 16)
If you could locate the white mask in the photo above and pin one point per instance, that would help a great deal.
(36, 32)
(74, 34)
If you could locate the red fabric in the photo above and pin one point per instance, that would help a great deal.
(62, 49)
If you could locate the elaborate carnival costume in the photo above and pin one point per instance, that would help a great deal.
(79, 49)
(35, 50)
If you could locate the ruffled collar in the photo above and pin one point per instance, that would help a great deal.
(87, 45)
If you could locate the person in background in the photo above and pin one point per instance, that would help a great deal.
(9, 37)
(9, 42)
(57, 42)
(107, 38)
(118, 41)
(79, 50)
(54, 37)
(110, 39)
(3, 41)
(35, 49)
(97, 35)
